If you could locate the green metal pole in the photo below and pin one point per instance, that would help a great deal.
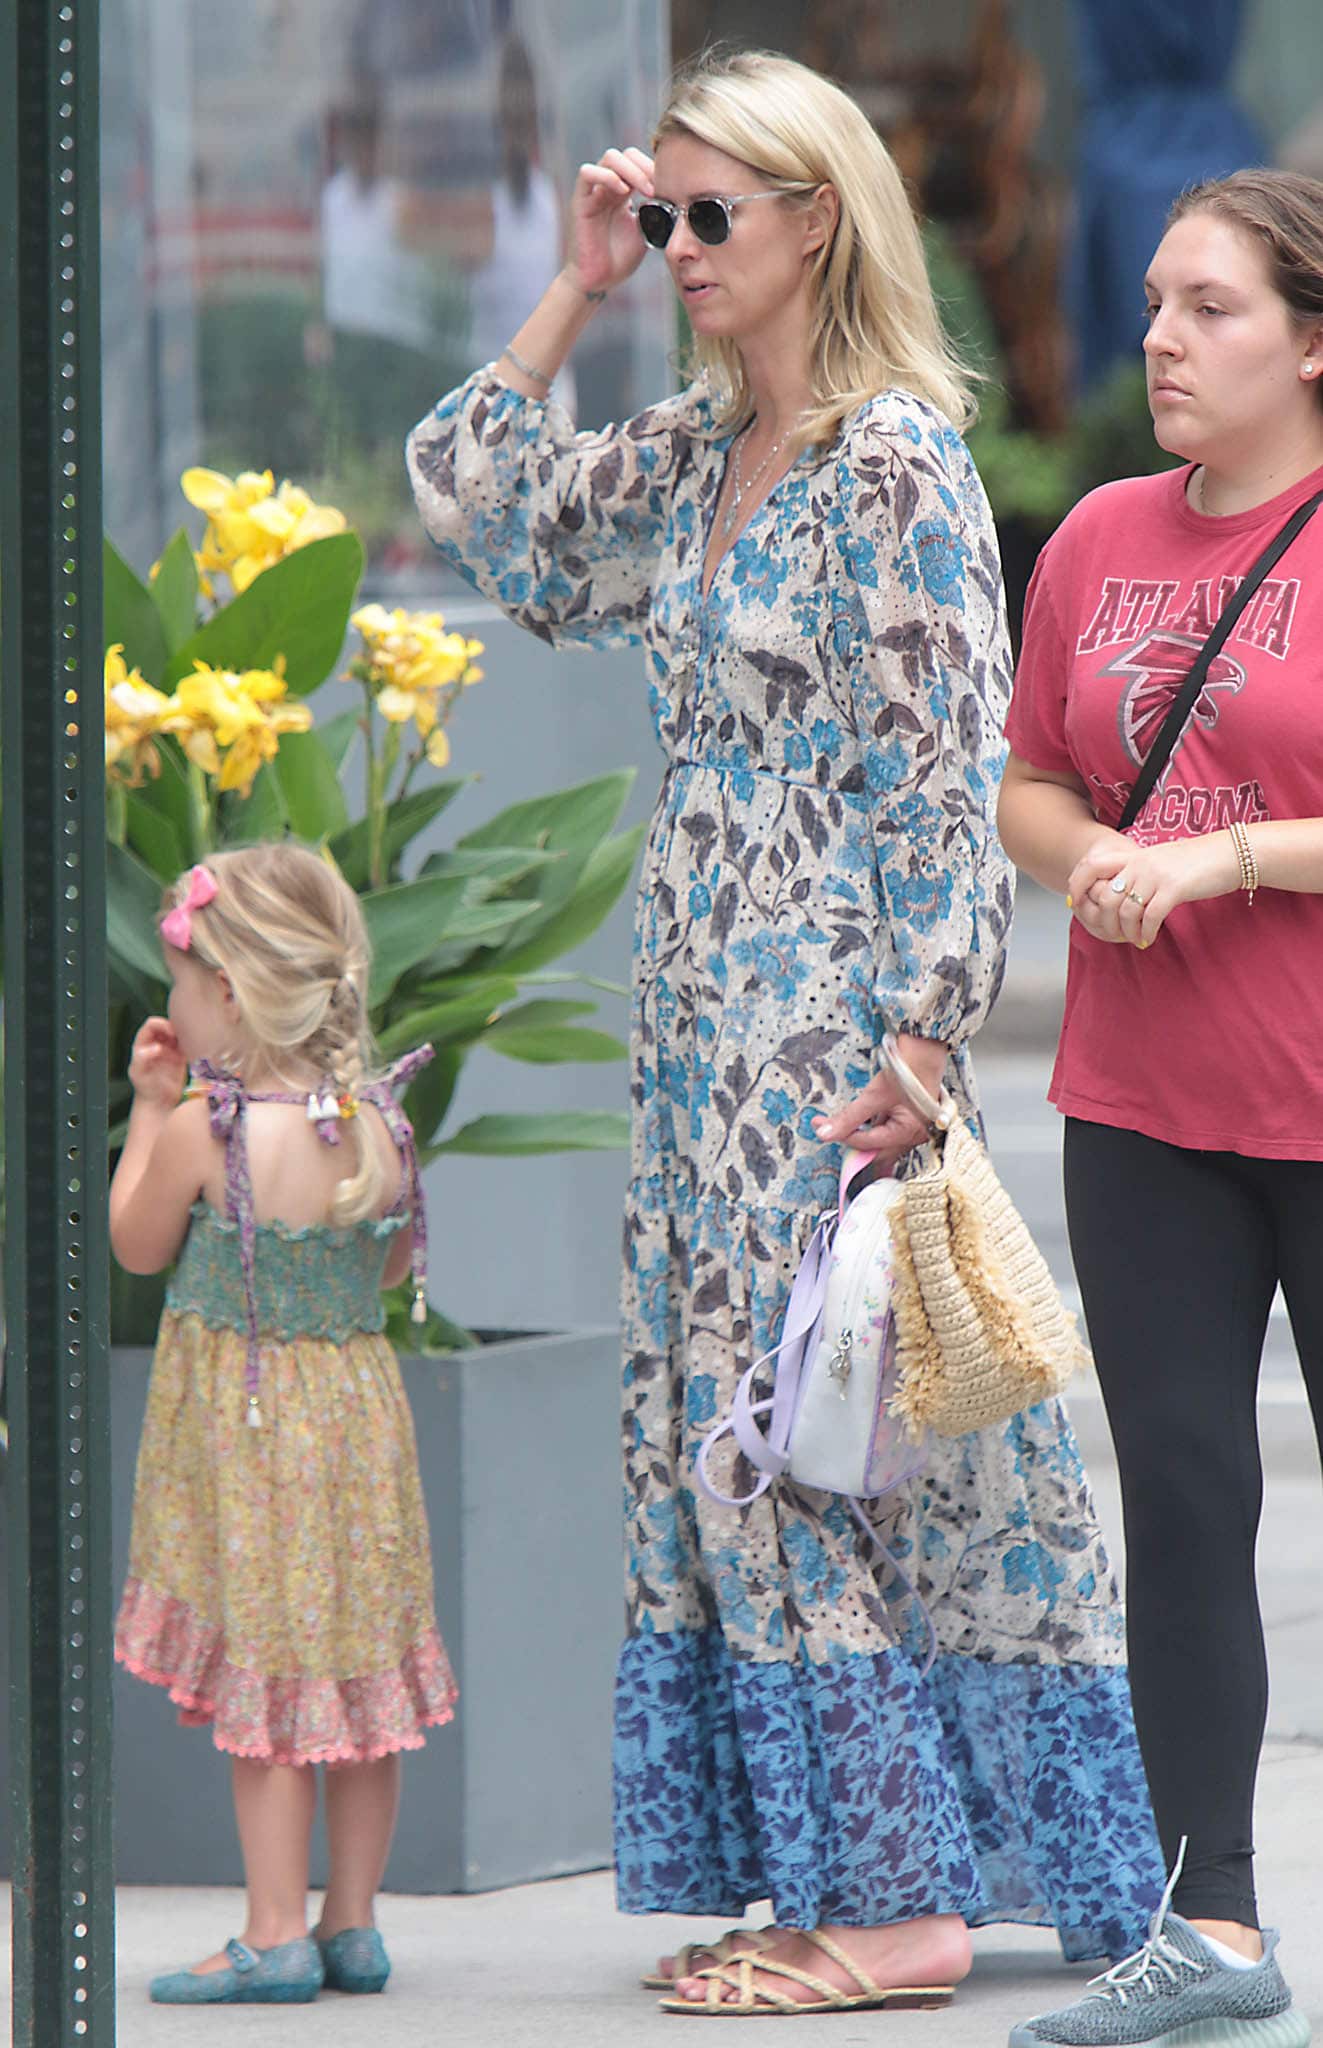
(55, 1255)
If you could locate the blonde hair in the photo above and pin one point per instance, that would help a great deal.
(287, 932)
(876, 323)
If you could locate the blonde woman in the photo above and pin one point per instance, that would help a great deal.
(802, 547)
(280, 1583)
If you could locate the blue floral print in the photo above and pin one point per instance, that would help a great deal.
(821, 864)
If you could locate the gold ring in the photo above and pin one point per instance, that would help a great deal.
(1133, 896)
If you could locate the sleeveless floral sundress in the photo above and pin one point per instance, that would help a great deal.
(280, 1579)
(822, 863)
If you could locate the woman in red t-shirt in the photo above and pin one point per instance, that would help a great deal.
(1190, 1068)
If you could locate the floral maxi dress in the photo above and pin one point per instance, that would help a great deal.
(821, 864)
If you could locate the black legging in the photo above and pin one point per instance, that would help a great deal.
(1177, 1254)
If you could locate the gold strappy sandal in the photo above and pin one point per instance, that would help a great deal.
(754, 1998)
(722, 1950)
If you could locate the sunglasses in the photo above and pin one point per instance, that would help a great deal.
(709, 219)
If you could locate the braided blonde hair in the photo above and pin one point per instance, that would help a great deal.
(287, 931)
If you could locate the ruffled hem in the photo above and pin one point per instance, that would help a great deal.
(288, 1720)
(858, 1793)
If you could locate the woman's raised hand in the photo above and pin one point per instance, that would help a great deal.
(606, 246)
(157, 1067)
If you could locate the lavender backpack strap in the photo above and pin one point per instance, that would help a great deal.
(769, 1453)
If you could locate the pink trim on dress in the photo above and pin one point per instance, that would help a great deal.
(294, 1720)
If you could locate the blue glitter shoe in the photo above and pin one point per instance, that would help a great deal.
(355, 1960)
(289, 1975)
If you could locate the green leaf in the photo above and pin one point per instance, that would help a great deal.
(336, 735)
(428, 1096)
(461, 1017)
(404, 923)
(167, 793)
(310, 786)
(543, 1033)
(259, 815)
(568, 821)
(152, 835)
(497, 865)
(538, 1015)
(133, 901)
(352, 844)
(567, 818)
(604, 877)
(557, 1045)
(587, 1130)
(131, 619)
(174, 591)
(298, 608)
(478, 922)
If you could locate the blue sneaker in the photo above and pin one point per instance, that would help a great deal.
(1176, 1992)
(355, 1960)
(291, 1974)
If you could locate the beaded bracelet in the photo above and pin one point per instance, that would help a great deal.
(1249, 866)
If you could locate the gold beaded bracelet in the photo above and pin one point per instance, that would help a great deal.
(1249, 866)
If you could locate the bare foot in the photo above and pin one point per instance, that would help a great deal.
(933, 1951)
(738, 1941)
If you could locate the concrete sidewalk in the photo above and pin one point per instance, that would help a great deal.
(554, 1965)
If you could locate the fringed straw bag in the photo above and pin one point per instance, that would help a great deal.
(981, 1331)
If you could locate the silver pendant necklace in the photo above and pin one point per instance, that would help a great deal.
(742, 486)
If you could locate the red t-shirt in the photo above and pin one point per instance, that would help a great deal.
(1213, 1036)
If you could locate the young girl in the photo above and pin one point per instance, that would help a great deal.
(279, 1573)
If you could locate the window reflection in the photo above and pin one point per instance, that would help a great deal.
(321, 214)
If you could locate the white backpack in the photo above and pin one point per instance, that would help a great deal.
(831, 1422)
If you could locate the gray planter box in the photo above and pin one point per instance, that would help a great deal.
(519, 1446)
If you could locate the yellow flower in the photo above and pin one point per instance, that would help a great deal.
(135, 714)
(234, 721)
(414, 667)
(251, 525)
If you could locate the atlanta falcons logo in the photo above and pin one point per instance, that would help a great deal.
(1159, 665)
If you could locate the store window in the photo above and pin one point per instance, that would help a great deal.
(319, 215)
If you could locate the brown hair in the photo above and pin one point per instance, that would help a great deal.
(287, 932)
(1283, 211)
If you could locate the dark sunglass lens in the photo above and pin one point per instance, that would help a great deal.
(655, 224)
(710, 221)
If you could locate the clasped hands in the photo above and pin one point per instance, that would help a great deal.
(1123, 893)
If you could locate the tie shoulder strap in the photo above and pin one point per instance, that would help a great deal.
(381, 1094)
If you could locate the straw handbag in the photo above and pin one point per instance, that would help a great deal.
(981, 1331)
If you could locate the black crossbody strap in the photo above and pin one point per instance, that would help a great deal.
(1174, 724)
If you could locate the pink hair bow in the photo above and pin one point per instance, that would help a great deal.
(177, 924)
